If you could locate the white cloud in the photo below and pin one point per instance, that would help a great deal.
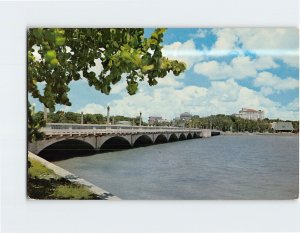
(222, 97)
(93, 109)
(294, 105)
(170, 80)
(226, 39)
(213, 70)
(243, 67)
(201, 33)
(270, 83)
(280, 43)
(227, 91)
(35, 53)
(97, 69)
(291, 60)
(240, 67)
(266, 91)
(120, 87)
(185, 52)
(265, 62)
(171, 97)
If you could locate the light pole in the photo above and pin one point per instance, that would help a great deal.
(107, 117)
(140, 118)
(81, 117)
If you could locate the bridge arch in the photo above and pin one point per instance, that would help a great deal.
(160, 139)
(189, 136)
(38, 146)
(196, 135)
(114, 143)
(66, 148)
(182, 137)
(173, 137)
(142, 140)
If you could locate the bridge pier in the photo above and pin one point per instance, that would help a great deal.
(205, 133)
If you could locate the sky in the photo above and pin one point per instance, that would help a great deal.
(227, 69)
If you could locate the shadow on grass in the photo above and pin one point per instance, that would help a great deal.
(38, 188)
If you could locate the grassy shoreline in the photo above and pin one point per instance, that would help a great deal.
(44, 183)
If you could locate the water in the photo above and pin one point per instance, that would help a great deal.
(222, 167)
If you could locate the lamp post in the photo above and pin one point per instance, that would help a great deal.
(107, 117)
(81, 117)
(140, 118)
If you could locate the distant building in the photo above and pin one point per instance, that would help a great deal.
(154, 120)
(185, 116)
(282, 127)
(250, 114)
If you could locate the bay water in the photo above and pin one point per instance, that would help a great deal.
(255, 167)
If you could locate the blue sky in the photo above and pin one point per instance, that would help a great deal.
(227, 69)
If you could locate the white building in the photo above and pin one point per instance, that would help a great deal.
(185, 116)
(250, 114)
(153, 120)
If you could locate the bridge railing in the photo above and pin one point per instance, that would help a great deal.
(78, 129)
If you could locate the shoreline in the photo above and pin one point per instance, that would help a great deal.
(72, 178)
(257, 133)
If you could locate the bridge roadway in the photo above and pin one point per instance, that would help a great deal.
(97, 136)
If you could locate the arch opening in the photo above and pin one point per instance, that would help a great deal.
(215, 133)
(189, 136)
(143, 140)
(114, 144)
(196, 135)
(173, 138)
(182, 137)
(66, 149)
(161, 139)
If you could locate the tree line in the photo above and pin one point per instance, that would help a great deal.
(235, 124)
(220, 122)
(75, 118)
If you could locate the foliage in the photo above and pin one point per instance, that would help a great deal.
(72, 117)
(71, 191)
(37, 169)
(43, 183)
(35, 122)
(230, 123)
(296, 126)
(71, 54)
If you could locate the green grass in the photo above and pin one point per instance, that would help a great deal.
(72, 192)
(43, 183)
(38, 170)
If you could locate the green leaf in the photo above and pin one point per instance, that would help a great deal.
(59, 41)
(54, 62)
(51, 54)
(145, 69)
(132, 87)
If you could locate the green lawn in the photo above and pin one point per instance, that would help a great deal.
(43, 183)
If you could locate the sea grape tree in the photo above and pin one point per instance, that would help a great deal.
(57, 56)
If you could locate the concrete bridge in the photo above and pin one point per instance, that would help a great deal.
(110, 137)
